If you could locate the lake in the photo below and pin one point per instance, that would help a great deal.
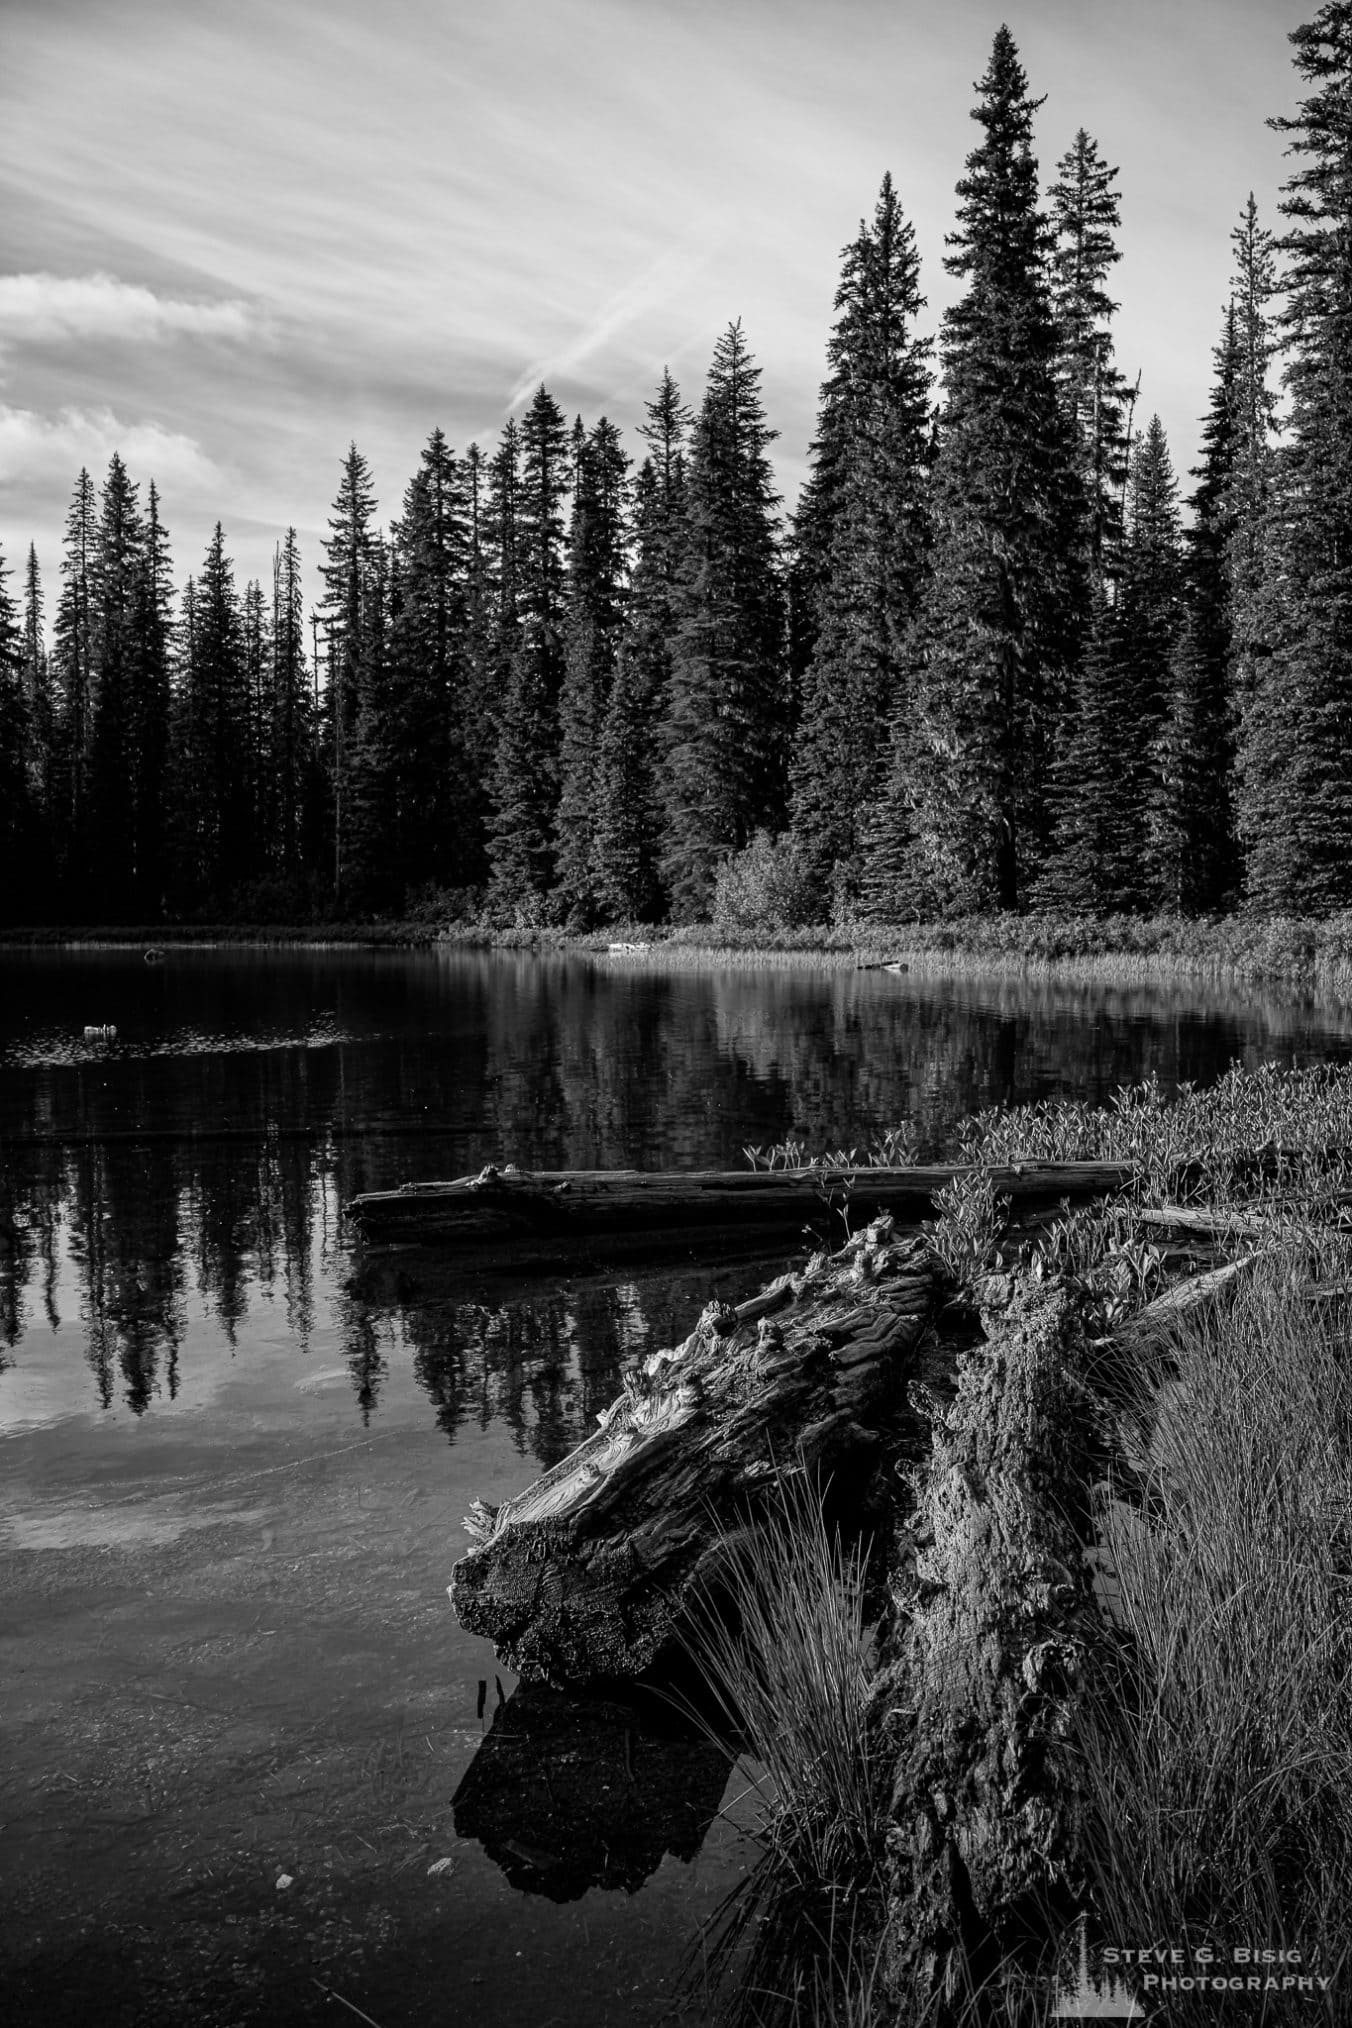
(250, 1760)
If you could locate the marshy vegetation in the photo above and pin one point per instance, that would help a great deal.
(1108, 1679)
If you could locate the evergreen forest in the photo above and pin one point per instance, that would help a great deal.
(1001, 656)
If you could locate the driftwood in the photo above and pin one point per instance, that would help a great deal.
(585, 1573)
(992, 1608)
(511, 1204)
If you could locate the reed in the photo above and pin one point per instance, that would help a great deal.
(1216, 1738)
(784, 1654)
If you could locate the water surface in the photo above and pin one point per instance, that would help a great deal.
(234, 1452)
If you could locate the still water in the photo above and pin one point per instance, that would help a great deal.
(250, 1760)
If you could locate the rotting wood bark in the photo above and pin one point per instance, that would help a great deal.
(992, 1613)
(503, 1204)
(584, 1574)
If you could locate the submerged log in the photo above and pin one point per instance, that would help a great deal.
(508, 1203)
(992, 1609)
(584, 1575)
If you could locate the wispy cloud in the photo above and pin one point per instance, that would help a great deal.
(44, 309)
(34, 447)
(659, 283)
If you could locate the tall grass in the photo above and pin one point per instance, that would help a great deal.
(784, 1653)
(1217, 1735)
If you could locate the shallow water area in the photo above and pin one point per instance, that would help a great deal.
(244, 1736)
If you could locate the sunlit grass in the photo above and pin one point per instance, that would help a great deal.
(1217, 1739)
(784, 1653)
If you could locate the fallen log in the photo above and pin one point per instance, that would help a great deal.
(509, 1203)
(993, 1605)
(584, 1575)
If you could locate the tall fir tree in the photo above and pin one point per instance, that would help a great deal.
(113, 759)
(997, 632)
(1085, 218)
(725, 733)
(211, 729)
(39, 709)
(347, 573)
(1295, 783)
(153, 627)
(592, 631)
(1150, 617)
(15, 797)
(871, 525)
(629, 804)
(437, 818)
(73, 670)
(292, 786)
(525, 776)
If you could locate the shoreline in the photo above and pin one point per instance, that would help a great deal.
(1307, 955)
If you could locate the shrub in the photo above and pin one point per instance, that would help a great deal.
(765, 887)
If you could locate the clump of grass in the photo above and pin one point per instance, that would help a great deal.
(784, 1652)
(1217, 1736)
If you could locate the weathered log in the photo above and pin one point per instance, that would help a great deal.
(503, 1204)
(992, 1608)
(584, 1574)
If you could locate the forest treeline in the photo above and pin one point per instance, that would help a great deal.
(989, 663)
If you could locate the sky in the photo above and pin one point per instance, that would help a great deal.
(238, 237)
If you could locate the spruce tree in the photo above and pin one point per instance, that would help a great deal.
(1295, 800)
(1085, 218)
(347, 579)
(1095, 864)
(113, 760)
(525, 777)
(293, 730)
(1150, 615)
(996, 634)
(595, 616)
(629, 802)
(211, 727)
(73, 673)
(15, 800)
(153, 625)
(872, 450)
(438, 813)
(39, 705)
(725, 731)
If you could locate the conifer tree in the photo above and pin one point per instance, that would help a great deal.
(595, 616)
(39, 705)
(1085, 218)
(1251, 510)
(212, 728)
(872, 449)
(73, 671)
(118, 562)
(629, 803)
(1295, 799)
(726, 726)
(1149, 621)
(15, 802)
(153, 624)
(995, 637)
(436, 750)
(1095, 864)
(525, 779)
(292, 733)
(347, 579)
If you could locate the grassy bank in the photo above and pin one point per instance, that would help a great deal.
(1307, 954)
(1208, 1725)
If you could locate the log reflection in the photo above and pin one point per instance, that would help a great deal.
(571, 1791)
